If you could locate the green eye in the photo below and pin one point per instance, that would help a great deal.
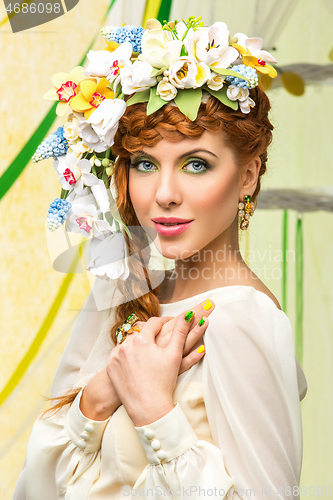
(195, 166)
(144, 166)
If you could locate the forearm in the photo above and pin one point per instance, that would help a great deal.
(99, 400)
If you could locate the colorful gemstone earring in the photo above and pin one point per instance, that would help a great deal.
(245, 210)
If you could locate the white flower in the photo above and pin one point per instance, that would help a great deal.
(101, 195)
(108, 258)
(158, 47)
(136, 78)
(74, 173)
(71, 129)
(255, 45)
(245, 106)
(166, 91)
(241, 95)
(78, 148)
(91, 139)
(235, 93)
(84, 220)
(211, 46)
(104, 63)
(216, 81)
(185, 73)
(105, 119)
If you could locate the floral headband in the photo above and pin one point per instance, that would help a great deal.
(175, 62)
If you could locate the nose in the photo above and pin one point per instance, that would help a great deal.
(168, 191)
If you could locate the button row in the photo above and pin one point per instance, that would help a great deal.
(82, 443)
(155, 444)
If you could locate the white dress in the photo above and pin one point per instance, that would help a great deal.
(236, 424)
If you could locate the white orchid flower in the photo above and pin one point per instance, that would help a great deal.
(101, 195)
(105, 119)
(74, 174)
(84, 220)
(185, 73)
(103, 63)
(158, 47)
(254, 46)
(211, 46)
(91, 139)
(108, 258)
(136, 78)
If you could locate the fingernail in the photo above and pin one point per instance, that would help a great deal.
(201, 322)
(188, 316)
(201, 349)
(207, 305)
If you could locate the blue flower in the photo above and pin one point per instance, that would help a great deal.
(57, 213)
(127, 33)
(54, 145)
(248, 72)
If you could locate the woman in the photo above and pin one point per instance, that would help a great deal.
(198, 393)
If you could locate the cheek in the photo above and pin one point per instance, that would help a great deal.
(140, 196)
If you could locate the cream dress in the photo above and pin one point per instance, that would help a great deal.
(236, 424)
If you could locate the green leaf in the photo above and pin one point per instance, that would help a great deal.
(157, 71)
(109, 218)
(155, 102)
(188, 102)
(221, 95)
(228, 72)
(138, 97)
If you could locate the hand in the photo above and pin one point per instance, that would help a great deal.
(195, 333)
(143, 374)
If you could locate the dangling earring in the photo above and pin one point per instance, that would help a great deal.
(245, 210)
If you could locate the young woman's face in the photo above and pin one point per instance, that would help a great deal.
(194, 180)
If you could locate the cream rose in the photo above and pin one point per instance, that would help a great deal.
(158, 47)
(71, 129)
(166, 91)
(235, 93)
(216, 81)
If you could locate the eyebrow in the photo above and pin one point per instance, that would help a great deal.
(188, 153)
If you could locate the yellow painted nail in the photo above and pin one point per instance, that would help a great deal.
(207, 305)
(201, 349)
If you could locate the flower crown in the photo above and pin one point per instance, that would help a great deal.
(175, 62)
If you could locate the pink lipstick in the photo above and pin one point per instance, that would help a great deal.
(171, 226)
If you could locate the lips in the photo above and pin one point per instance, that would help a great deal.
(171, 226)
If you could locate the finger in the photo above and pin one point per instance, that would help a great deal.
(180, 331)
(191, 359)
(195, 334)
(205, 308)
(153, 326)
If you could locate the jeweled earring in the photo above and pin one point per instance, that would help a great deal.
(245, 210)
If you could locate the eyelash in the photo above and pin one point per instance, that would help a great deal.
(189, 162)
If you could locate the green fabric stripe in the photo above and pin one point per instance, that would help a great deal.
(164, 12)
(17, 166)
(284, 260)
(299, 290)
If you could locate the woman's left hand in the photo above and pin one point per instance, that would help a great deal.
(143, 374)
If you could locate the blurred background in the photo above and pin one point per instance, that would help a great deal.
(288, 244)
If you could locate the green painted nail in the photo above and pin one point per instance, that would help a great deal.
(201, 322)
(188, 316)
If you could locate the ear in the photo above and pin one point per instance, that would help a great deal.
(250, 177)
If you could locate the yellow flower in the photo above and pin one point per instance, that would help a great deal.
(66, 86)
(91, 96)
(254, 62)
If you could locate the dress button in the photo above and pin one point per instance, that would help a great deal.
(81, 444)
(84, 436)
(161, 454)
(88, 428)
(156, 445)
(148, 433)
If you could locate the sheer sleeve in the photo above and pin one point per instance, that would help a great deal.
(252, 402)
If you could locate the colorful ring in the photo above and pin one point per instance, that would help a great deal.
(127, 328)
